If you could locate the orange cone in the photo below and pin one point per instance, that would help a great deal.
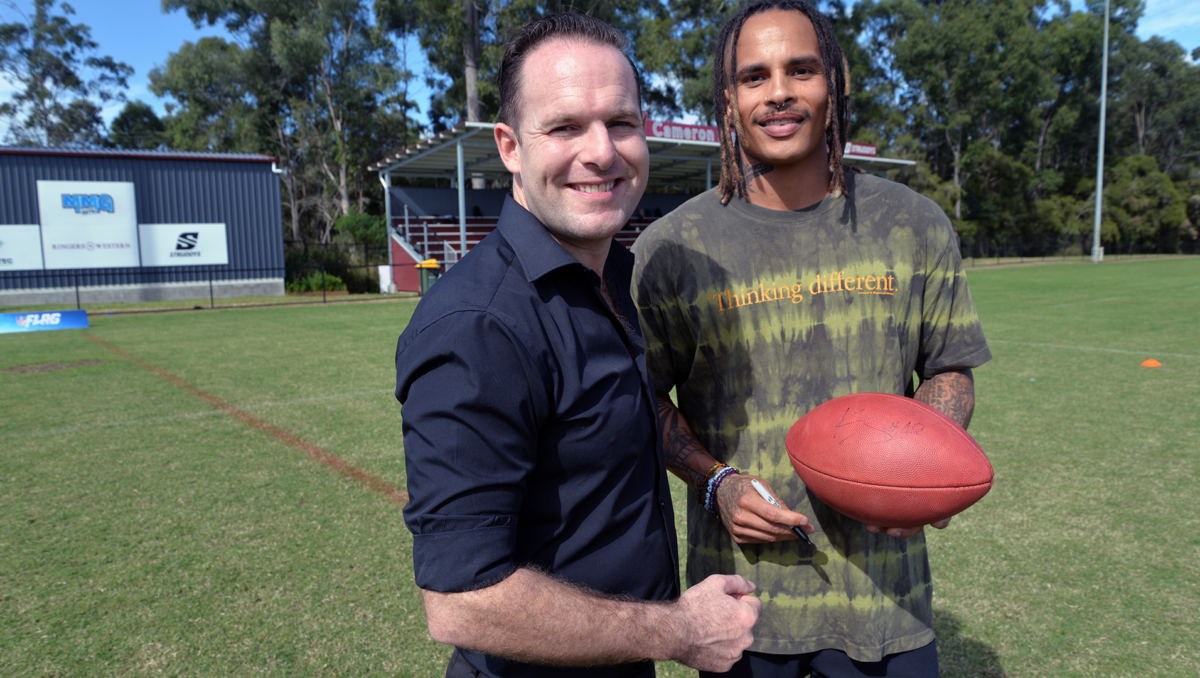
(1151, 363)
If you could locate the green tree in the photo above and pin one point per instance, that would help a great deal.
(449, 30)
(1158, 91)
(1067, 219)
(137, 126)
(309, 82)
(674, 45)
(1145, 207)
(61, 83)
(344, 63)
(969, 73)
(996, 197)
(216, 104)
(1190, 236)
(1065, 115)
(363, 228)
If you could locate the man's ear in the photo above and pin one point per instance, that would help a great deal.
(507, 143)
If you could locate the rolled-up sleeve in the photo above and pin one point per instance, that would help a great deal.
(470, 443)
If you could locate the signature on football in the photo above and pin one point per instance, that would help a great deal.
(874, 428)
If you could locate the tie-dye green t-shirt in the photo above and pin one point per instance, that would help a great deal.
(756, 316)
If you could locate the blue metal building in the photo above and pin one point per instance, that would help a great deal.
(238, 195)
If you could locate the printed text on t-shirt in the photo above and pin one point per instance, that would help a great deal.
(821, 284)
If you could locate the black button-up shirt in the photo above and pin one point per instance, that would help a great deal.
(530, 434)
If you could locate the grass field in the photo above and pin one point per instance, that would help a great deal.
(216, 493)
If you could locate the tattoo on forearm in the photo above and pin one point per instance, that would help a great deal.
(679, 444)
(951, 393)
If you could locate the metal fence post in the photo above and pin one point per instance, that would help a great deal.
(77, 304)
(323, 299)
(211, 302)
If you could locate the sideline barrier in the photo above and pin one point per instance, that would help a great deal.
(231, 286)
(43, 321)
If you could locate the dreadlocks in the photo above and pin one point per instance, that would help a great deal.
(837, 110)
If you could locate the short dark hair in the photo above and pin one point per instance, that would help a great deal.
(566, 26)
(837, 125)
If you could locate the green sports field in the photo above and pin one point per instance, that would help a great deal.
(217, 492)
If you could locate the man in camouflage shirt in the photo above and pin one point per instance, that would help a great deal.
(788, 285)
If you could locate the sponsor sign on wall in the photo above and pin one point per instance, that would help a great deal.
(45, 320)
(855, 148)
(657, 129)
(88, 224)
(20, 248)
(183, 244)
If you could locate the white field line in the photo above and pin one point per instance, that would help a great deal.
(1092, 348)
(1093, 301)
(189, 415)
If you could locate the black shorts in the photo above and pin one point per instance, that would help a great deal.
(919, 663)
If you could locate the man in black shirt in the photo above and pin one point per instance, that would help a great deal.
(539, 505)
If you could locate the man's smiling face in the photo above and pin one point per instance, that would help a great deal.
(782, 96)
(578, 155)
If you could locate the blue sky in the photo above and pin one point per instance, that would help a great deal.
(138, 33)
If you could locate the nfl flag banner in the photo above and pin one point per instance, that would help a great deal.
(45, 320)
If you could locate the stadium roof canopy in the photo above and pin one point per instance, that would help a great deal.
(680, 154)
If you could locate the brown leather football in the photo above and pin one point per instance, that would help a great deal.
(888, 460)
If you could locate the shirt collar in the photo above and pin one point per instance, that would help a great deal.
(537, 250)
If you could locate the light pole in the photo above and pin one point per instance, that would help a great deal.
(1097, 252)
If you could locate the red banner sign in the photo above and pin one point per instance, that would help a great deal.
(657, 129)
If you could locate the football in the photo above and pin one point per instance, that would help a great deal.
(888, 460)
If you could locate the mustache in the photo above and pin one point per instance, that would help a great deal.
(798, 111)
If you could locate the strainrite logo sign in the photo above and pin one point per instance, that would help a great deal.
(183, 244)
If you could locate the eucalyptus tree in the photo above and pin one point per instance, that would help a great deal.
(61, 83)
(970, 75)
(137, 126)
(1158, 91)
(309, 82)
(463, 41)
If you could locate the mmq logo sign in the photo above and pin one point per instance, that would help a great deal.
(88, 204)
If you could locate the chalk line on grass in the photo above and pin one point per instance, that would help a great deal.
(364, 478)
(190, 415)
(1092, 348)
(1093, 301)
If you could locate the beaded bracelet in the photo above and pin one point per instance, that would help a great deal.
(702, 489)
(710, 502)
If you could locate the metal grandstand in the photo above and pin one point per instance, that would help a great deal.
(681, 155)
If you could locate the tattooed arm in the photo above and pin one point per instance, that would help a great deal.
(749, 519)
(953, 394)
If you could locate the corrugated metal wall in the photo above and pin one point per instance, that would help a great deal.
(243, 195)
